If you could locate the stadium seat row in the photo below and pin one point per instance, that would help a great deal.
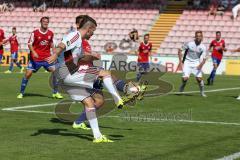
(91, 10)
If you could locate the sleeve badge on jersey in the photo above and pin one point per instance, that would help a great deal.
(68, 43)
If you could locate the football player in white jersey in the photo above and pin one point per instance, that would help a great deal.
(75, 79)
(192, 57)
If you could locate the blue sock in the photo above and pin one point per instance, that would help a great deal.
(23, 85)
(1, 58)
(212, 75)
(18, 65)
(55, 84)
(82, 117)
(11, 66)
(120, 85)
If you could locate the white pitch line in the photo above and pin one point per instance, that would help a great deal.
(52, 104)
(28, 106)
(189, 92)
(230, 157)
(33, 106)
(208, 91)
(42, 112)
(142, 119)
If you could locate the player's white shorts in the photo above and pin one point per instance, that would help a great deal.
(79, 93)
(189, 69)
(82, 78)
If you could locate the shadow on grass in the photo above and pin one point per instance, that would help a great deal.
(235, 97)
(56, 120)
(183, 94)
(35, 95)
(68, 133)
(63, 132)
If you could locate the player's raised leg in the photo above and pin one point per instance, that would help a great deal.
(108, 84)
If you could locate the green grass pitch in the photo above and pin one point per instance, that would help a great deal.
(41, 136)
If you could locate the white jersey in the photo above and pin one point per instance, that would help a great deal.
(237, 7)
(194, 53)
(73, 43)
(72, 53)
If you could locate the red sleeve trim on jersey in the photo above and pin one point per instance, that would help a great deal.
(74, 38)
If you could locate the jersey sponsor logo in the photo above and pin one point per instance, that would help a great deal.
(44, 42)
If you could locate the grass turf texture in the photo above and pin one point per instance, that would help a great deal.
(43, 137)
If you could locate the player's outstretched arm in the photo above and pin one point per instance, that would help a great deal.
(234, 50)
(56, 52)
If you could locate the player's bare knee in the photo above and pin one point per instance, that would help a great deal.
(99, 103)
(98, 100)
(28, 74)
(88, 102)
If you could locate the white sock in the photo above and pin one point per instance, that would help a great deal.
(201, 87)
(92, 119)
(108, 83)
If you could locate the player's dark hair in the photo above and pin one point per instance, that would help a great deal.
(79, 19)
(45, 17)
(198, 32)
(84, 19)
(218, 32)
(146, 35)
(14, 28)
